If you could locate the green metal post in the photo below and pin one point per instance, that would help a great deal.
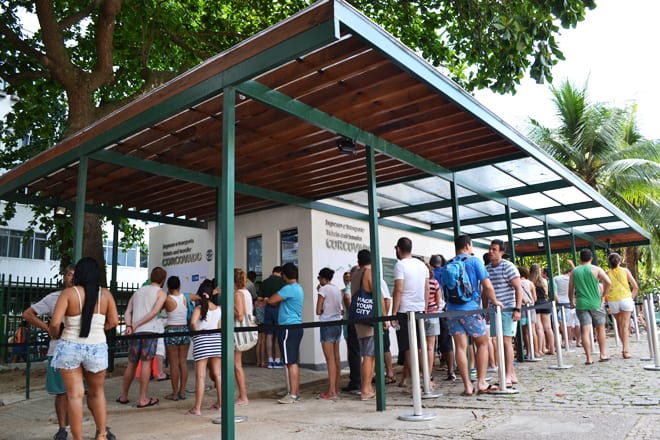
(454, 208)
(375, 277)
(224, 240)
(509, 231)
(593, 252)
(110, 334)
(512, 250)
(79, 220)
(548, 257)
(574, 250)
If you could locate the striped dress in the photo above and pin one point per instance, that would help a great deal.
(206, 346)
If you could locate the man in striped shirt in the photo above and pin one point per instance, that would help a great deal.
(505, 279)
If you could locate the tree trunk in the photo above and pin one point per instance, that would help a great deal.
(631, 257)
(93, 243)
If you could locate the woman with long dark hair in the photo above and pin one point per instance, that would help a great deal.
(207, 348)
(86, 311)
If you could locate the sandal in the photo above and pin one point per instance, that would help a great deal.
(491, 389)
(626, 355)
(389, 380)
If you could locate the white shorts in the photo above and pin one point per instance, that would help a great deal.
(572, 318)
(625, 305)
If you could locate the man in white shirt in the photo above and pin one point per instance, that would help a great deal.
(411, 294)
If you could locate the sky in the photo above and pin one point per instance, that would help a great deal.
(615, 49)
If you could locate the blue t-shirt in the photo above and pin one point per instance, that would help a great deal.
(476, 271)
(290, 311)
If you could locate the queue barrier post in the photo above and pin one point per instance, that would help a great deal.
(426, 375)
(594, 349)
(530, 335)
(635, 323)
(647, 310)
(560, 357)
(652, 330)
(616, 331)
(564, 326)
(417, 415)
(501, 365)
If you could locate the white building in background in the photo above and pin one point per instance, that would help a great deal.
(24, 254)
(309, 238)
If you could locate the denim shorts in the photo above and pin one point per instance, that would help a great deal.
(589, 317)
(367, 346)
(71, 355)
(331, 333)
(432, 326)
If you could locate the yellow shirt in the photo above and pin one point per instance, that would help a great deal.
(620, 287)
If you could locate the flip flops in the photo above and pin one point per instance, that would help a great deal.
(123, 402)
(389, 380)
(603, 359)
(151, 402)
(491, 389)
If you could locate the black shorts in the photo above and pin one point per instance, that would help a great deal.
(444, 340)
(402, 336)
(289, 340)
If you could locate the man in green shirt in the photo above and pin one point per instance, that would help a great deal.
(270, 286)
(587, 296)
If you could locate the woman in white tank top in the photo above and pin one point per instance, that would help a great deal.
(87, 312)
(176, 344)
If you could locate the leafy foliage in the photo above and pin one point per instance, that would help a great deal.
(602, 145)
(89, 57)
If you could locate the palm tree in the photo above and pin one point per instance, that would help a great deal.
(602, 145)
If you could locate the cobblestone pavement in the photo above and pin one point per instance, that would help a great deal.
(618, 399)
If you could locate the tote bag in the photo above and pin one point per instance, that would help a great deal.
(362, 305)
(244, 341)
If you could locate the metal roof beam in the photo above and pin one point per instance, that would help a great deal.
(359, 24)
(305, 42)
(112, 212)
(289, 105)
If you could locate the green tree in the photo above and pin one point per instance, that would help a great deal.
(89, 57)
(602, 145)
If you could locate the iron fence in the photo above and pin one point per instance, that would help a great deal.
(18, 293)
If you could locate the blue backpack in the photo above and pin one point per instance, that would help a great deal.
(456, 284)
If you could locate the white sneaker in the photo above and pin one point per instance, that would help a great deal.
(289, 399)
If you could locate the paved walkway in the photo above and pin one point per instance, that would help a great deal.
(618, 399)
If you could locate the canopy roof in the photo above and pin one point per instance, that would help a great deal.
(323, 74)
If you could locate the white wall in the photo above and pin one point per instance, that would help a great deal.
(323, 240)
(49, 269)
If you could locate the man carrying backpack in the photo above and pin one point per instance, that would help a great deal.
(461, 278)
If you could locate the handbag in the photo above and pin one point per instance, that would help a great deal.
(362, 305)
(244, 341)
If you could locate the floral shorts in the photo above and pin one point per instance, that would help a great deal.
(174, 339)
(472, 325)
(71, 355)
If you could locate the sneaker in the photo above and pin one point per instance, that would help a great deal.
(278, 364)
(271, 364)
(289, 399)
(61, 434)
